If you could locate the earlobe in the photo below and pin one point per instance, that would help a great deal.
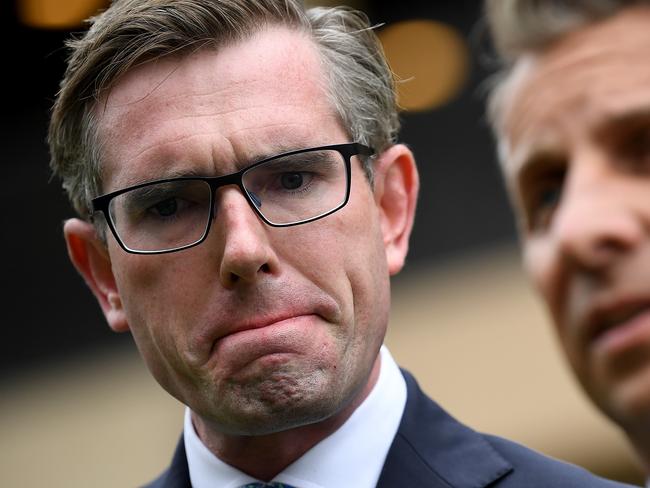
(90, 257)
(397, 185)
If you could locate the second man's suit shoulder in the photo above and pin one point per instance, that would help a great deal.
(535, 470)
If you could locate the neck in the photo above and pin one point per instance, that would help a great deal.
(640, 440)
(264, 457)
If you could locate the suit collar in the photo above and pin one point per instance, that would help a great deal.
(431, 449)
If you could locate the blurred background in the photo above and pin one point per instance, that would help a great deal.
(79, 409)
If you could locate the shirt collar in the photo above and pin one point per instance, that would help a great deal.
(363, 440)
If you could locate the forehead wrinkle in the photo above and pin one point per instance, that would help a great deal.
(227, 105)
(189, 100)
(140, 87)
(602, 103)
(514, 144)
(162, 108)
(532, 126)
(158, 164)
(227, 96)
(209, 115)
(589, 62)
(299, 139)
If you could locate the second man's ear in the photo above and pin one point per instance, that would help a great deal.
(396, 191)
(90, 257)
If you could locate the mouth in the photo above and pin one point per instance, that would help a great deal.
(278, 319)
(268, 333)
(270, 344)
(260, 323)
(619, 326)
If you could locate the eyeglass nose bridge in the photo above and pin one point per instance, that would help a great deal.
(233, 179)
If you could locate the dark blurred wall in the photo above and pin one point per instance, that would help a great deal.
(48, 312)
(462, 205)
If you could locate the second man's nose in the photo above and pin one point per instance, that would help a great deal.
(594, 224)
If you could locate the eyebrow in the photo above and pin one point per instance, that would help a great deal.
(278, 150)
(171, 173)
(612, 124)
(529, 156)
(539, 164)
(166, 174)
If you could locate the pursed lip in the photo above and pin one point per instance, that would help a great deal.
(607, 317)
(258, 322)
(229, 325)
(265, 309)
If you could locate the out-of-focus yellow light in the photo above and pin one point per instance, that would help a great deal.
(430, 60)
(57, 14)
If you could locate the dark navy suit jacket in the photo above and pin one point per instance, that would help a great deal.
(433, 450)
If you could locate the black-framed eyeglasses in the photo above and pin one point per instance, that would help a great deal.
(288, 189)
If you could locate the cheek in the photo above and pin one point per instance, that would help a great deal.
(345, 256)
(367, 272)
(541, 267)
(327, 256)
(157, 280)
(161, 311)
(158, 298)
(536, 263)
(551, 281)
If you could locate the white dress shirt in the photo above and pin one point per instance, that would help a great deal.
(353, 455)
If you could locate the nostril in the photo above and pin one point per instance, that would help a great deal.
(608, 247)
(610, 244)
(598, 251)
(265, 268)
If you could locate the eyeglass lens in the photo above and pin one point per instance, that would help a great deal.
(286, 190)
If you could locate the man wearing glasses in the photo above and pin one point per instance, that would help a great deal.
(243, 204)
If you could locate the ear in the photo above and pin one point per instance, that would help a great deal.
(396, 191)
(90, 256)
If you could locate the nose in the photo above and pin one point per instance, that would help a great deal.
(596, 222)
(246, 252)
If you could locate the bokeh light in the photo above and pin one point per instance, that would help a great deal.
(57, 14)
(430, 60)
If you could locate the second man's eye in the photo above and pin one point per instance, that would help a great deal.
(544, 203)
(550, 197)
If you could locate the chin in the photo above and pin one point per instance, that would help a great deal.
(263, 420)
(271, 406)
(629, 401)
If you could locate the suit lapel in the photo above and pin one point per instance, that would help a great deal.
(431, 449)
(178, 473)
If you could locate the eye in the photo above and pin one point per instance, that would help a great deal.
(636, 150)
(166, 208)
(542, 199)
(291, 181)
